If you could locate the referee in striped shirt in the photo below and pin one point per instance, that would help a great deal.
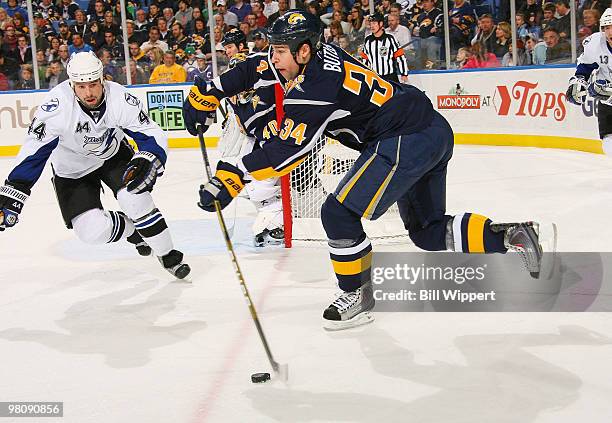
(382, 53)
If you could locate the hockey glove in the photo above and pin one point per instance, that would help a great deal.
(198, 106)
(142, 172)
(600, 89)
(11, 204)
(577, 90)
(224, 186)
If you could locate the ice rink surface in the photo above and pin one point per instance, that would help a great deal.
(118, 340)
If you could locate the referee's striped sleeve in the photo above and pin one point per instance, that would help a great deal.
(399, 57)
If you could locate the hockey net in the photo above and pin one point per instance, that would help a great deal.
(312, 181)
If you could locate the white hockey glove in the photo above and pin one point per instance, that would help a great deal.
(577, 90)
(600, 89)
(12, 200)
(142, 172)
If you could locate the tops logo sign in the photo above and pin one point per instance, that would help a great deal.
(525, 100)
(458, 99)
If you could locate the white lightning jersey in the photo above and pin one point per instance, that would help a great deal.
(597, 56)
(77, 141)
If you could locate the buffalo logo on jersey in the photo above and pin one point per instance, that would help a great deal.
(205, 103)
(263, 66)
(295, 18)
(50, 105)
(295, 83)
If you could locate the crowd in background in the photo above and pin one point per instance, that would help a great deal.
(169, 41)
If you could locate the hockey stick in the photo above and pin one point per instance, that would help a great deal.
(281, 370)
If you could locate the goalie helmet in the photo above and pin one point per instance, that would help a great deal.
(84, 67)
(606, 19)
(296, 28)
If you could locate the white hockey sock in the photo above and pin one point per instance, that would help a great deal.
(148, 220)
(98, 226)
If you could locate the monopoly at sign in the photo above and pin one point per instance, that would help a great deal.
(165, 108)
(458, 102)
(524, 99)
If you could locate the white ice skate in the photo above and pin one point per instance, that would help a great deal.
(350, 309)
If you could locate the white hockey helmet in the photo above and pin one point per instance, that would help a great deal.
(85, 67)
(606, 19)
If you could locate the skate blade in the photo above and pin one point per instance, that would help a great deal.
(548, 241)
(359, 320)
(181, 272)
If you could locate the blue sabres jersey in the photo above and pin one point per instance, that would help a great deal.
(334, 94)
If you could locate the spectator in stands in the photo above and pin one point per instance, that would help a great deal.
(240, 9)
(5, 19)
(184, 14)
(142, 25)
(313, 8)
(260, 18)
(26, 78)
(463, 55)
(522, 25)
(522, 57)
(154, 41)
(201, 70)
(55, 74)
(163, 4)
(78, 45)
(219, 23)
(461, 23)
(9, 41)
(42, 64)
(164, 32)
(529, 7)
(63, 55)
(400, 32)
(168, 14)
(40, 41)
(283, 6)
(535, 50)
(52, 52)
(396, 9)
(65, 36)
(80, 24)
(169, 72)
(599, 5)
(558, 50)
(199, 28)
(246, 30)
(549, 16)
(334, 31)
(98, 14)
(563, 23)
(358, 25)
(20, 24)
(428, 33)
(129, 29)
(260, 38)
(137, 74)
(110, 69)
(13, 8)
(47, 9)
(486, 33)
(23, 53)
(114, 47)
(156, 57)
(190, 59)
(110, 25)
(270, 7)
(481, 58)
(68, 9)
(590, 19)
(503, 37)
(154, 14)
(179, 40)
(137, 55)
(93, 36)
(229, 18)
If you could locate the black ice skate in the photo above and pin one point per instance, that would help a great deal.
(173, 263)
(350, 309)
(275, 236)
(524, 239)
(141, 246)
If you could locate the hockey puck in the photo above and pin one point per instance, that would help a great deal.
(260, 377)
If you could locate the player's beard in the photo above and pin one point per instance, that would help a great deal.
(91, 106)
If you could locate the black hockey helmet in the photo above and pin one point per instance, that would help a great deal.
(234, 36)
(295, 28)
(376, 17)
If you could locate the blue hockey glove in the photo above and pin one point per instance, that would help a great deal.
(12, 200)
(224, 186)
(142, 172)
(577, 90)
(199, 107)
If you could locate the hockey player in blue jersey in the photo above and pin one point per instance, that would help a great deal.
(405, 149)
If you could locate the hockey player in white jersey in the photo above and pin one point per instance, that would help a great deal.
(594, 77)
(82, 127)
